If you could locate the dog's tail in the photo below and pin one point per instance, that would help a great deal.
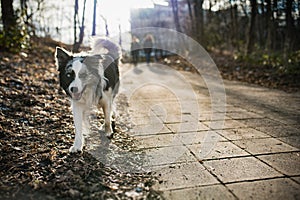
(105, 46)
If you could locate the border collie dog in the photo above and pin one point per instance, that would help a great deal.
(90, 79)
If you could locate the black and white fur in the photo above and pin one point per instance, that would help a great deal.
(90, 80)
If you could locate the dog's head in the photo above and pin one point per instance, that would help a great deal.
(76, 72)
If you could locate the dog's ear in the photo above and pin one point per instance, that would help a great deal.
(62, 57)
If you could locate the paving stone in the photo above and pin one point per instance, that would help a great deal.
(279, 188)
(168, 155)
(228, 124)
(297, 179)
(182, 176)
(174, 139)
(232, 108)
(145, 120)
(287, 163)
(240, 169)
(205, 108)
(166, 108)
(155, 101)
(178, 118)
(294, 141)
(242, 133)
(190, 105)
(212, 116)
(204, 99)
(149, 129)
(287, 119)
(280, 131)
(264, 145)
(152, 92)
(244, 115)
(252, 107)
(187, 127)
(260, 122)
(138, 109)
(216, 192)
(163, 140)
(199, 137)
(218, 150)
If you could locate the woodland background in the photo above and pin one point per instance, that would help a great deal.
(256, 26)
(255, 41)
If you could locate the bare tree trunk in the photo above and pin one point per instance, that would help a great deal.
(289, 27)
(24, 12)
(27, 16)
(120, 35)
(274, 41)
(12, 39)
(175, 14)
(81, 33)
(269, 20)
(183, 48)
(233, 24)
(75, 22)
(191, 17)
(94, 19)
(199, 20)
(8, 15)
(243, 3)
(251, 33)
(261, 24)
(106, 26)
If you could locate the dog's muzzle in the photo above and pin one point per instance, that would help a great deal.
(75, 94)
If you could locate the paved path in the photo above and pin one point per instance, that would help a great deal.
(254, 154)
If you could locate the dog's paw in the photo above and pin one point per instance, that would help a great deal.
(108, 131)
(75, 149)
(109, 135)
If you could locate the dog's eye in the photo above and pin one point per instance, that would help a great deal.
(69, 75)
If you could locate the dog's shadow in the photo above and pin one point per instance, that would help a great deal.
(99, 145)
(104, 150)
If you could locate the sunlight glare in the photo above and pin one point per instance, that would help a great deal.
(117, 12)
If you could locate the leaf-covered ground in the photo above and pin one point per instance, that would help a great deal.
(284, 78)
(36, 131)
(237, 70)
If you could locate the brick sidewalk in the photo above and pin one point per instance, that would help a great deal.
(255, 155)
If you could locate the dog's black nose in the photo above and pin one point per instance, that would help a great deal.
(74, 89)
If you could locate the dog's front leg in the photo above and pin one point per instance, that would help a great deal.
(86, 123)
(107, 108)
(77, 110)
